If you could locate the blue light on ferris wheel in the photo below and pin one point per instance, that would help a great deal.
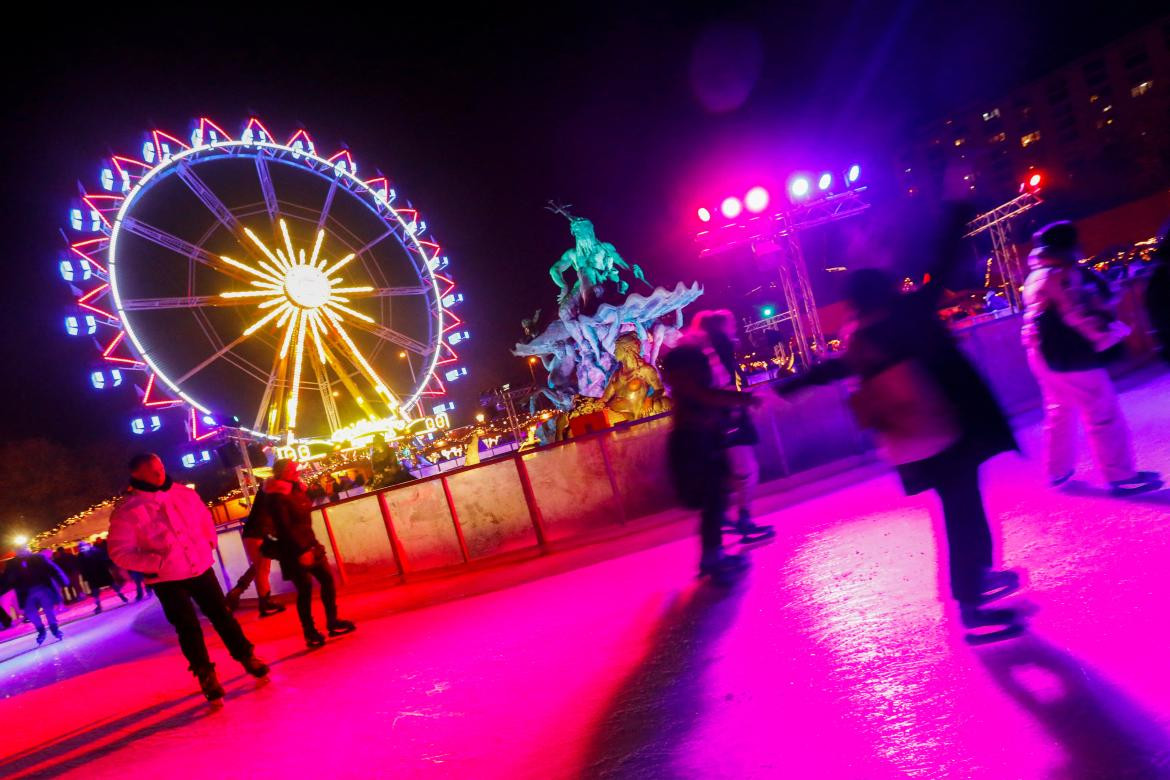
(103, 379)
(75, 270)
(107, 179)
(452, 299)
(458, 336)
(188, 460)
(197, 136)
(75, 325)
(208, 419)
(75, 219)
(455, 373)
(148, 151)
(438, 263)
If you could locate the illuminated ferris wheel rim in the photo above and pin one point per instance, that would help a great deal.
(300, 159)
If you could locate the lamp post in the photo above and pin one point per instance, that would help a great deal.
(532, 369)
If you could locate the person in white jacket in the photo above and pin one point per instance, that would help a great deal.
(165, 531)
(1070, 330)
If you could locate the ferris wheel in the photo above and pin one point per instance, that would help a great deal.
(258, 284)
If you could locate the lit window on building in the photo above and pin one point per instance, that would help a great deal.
(998, 138)
(992, 114)
(1141, 89)
(1030, 138)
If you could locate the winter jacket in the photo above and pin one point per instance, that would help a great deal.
(168, 533)
(291, 513)
(1079, 297)
(919, 391)
(26, 572)
(95, 565)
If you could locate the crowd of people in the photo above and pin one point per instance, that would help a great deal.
(62, 578)
(932, 413)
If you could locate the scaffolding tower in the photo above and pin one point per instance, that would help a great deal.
(997, 223)
(775, 239)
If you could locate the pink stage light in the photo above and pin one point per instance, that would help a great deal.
(704, 214)
(731, 207)
(756, 199)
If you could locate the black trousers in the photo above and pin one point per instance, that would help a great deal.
(302, 577)
(179, 599)
(968, 535)
(698, 465)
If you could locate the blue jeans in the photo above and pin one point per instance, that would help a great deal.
(41, 598)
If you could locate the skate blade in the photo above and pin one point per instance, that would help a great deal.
(995, 634)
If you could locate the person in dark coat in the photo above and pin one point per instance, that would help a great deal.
(697, 449)
(257, 529)
(98, 572)
(67, 563)
(302, 556)
(38, 583)
(1158, 294)
(935, 416)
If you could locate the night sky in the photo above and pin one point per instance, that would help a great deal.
(635, 117)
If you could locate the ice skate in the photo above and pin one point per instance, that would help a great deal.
(999, 584)
(255, 667)
(749, 531)
(722, 568)
(313, 637)
(1142, 482)
(209, 683)
(990, 625)
(339, 627)
(268, 607)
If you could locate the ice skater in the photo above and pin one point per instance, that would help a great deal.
(715, 331)
(302, 558)
(1071, 331)
(38, 583)
(697, 449)
(164, 530)
(934, 416)
(257, 529)
(98, 572)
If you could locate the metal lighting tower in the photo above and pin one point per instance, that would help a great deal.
(775, 239)
(997, 223)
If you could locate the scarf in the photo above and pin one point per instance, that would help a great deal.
(138, 484)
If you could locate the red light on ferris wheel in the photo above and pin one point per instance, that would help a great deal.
(1034, 180)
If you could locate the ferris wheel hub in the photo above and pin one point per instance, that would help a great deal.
(307, 287)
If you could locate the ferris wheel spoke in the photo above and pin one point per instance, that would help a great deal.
(328, 204)
(358, 359)
(382, 292)
(266, 187)
(181, 246)
(389, 232)
(211, 201)
(188, 302)
(214, 357)
(391, 335)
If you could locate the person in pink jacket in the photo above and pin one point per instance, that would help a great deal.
(1071, 331)
(164, 530)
